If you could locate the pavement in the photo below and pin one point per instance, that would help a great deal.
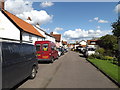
(69, 71)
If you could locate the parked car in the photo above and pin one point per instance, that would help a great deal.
(46, 51)
(78, 48)
(89, 51)
(73, 49)
(60, 51)
(18, 63)
(65, 50)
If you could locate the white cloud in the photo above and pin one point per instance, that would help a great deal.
(99, 20)
(90, 20)
(45, 29)
(57, 29)
(23, 9)
(117, 8)
(46, 4)
(40, 17)
(55, 32)
(96, 18)
(78, 34)
(102, 21)
(98, 27)
(91, 32)
(18, 6)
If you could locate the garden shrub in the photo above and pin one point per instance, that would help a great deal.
(91, 57)
(100, 51)
(108, 58)
(100, 56)
(97, 56)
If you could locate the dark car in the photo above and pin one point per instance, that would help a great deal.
(18, 62)
(65, 50)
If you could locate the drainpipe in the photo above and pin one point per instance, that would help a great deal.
(21, 36)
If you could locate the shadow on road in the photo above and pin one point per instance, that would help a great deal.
(44, 62)
(18, 85)
(81, 55)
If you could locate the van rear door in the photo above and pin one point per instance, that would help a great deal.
(45, 51)
(38, 49)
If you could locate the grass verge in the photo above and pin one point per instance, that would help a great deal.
(107, 67)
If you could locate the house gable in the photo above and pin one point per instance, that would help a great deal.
(8, 29)
(22, 25)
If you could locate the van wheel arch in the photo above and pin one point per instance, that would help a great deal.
(33, 72)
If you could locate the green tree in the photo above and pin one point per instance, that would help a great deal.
(109, 43)
(116, 28)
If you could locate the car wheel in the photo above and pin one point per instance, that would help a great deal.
(33, 73)
(57, 57)
(52, 60)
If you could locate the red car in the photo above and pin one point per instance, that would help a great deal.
(46, 51)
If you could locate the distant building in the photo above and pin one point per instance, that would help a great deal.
(58, 40)
(83, 43)
(71, 45)
(92, 43)
(65, 44)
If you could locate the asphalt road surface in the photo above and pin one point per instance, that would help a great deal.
(69, 71)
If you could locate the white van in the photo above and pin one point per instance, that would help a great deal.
(90, 51)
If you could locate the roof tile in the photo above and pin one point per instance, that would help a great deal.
(57, 37)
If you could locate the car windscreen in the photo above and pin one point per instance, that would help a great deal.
(45, 47)
(58, 49)
(38, 47)
(91, 49)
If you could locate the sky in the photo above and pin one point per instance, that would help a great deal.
(74, 20)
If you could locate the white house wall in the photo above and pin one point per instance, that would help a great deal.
(83, 43)
(47, 37)
(8, 29)
(43, 33)
(50, 38)
(26, 37)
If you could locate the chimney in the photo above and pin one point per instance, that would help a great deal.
(2, 4)
(51, 33)
(38, 25)
(29, 19)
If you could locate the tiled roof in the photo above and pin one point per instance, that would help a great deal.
(89, 42)
(64, 42)
(22, 24)
(57, 37)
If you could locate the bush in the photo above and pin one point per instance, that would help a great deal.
(100, 51)
(97, 56)
(100, 56)
(91, 56)
(108, 58)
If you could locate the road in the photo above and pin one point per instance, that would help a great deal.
(69, 71)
